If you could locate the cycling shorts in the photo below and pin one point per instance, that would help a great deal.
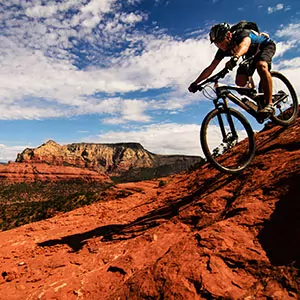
(266, 54)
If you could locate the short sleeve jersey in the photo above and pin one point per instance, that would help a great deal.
(257, 40)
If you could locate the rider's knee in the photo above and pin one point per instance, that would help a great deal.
(262, 67)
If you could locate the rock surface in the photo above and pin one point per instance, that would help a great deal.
(122, 159)
(200, 235)
(29, 172)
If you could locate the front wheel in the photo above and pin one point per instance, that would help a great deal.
(227, 140)
(284, 99)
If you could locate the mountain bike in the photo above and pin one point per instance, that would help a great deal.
(226, 136)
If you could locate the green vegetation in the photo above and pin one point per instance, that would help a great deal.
(141, 174)
(196, 166)
(23, 203)
(123, 194)
(161, 183)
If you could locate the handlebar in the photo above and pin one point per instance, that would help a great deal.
(213, 78)
(222, 73)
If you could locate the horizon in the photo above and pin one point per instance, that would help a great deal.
(117, 72)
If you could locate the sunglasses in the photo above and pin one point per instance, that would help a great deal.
(221, 42)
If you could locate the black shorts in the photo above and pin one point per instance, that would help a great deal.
(266, 54)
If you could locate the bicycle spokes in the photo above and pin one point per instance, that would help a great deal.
(225, 140)
(284, 100)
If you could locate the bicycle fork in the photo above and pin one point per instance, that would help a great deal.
(223, 107)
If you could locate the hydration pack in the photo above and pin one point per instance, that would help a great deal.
(245, 25)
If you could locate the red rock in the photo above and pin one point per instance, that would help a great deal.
(127, 160)
(205, 235)
(29, 172)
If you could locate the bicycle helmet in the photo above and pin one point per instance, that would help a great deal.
(218, 32)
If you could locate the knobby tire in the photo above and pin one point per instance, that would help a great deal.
(206, 149)
(294, 110)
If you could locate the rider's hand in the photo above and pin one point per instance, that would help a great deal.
(232, 62)
(193, 88)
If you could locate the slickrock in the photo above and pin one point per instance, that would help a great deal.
(198, 235)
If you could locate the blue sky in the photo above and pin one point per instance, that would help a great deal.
(110, 71)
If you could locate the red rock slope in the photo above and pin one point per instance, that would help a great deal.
(202, 235)
(29, 172)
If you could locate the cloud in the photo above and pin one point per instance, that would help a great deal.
(72, 58)
(8, 153)
(277, 7)
(291, 69)
(131, 18)
(41, 51)
(169, 138)
(283, 47)
(292, 31)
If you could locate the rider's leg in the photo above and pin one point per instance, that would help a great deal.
(244, 76)
(265, 80)
(263, 66)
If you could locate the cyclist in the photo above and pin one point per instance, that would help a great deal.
(242, 42)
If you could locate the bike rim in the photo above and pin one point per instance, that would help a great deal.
(234, 153)
(285, 110)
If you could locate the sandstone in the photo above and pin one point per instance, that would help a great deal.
(29, 172)
(205, 235)
(129, 160)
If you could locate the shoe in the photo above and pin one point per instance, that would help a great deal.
(269, 110)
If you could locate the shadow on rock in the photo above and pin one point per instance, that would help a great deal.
(118, 232)
(280, 236)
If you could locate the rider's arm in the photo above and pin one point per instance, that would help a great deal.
(207, 71)
(243, 47)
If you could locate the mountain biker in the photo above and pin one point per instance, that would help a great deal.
(242, 42)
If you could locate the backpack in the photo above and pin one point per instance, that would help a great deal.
(245, 25)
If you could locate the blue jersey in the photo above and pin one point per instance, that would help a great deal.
(258, 42)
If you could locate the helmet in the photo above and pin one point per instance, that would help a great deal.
(218, 32)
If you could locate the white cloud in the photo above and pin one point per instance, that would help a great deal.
(41, 11)
(41, 71)
(292, 31)
(131, 18)
(160, 138)
(277, 7)
(291, 69)
(41, 66)
(283, 47)
(168, 138)
(8, 153)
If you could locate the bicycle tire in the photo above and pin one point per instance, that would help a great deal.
(219, 162)
(289, 115)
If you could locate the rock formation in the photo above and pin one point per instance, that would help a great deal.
(129, 160)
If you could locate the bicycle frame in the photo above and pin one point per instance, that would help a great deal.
(224, 92)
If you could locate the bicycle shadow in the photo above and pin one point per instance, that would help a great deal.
(118, 232)
(280, 236)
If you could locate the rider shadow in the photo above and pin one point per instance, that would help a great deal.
(119, 232)
(280, 236)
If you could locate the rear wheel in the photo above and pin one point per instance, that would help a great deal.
(232, 150)
(284, 99)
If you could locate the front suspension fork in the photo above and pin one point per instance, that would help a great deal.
(223, 107)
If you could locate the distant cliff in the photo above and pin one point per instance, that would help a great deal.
(126, 161)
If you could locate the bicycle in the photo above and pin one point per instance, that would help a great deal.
(226, 136)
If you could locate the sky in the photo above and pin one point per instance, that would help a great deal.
(108, 71)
